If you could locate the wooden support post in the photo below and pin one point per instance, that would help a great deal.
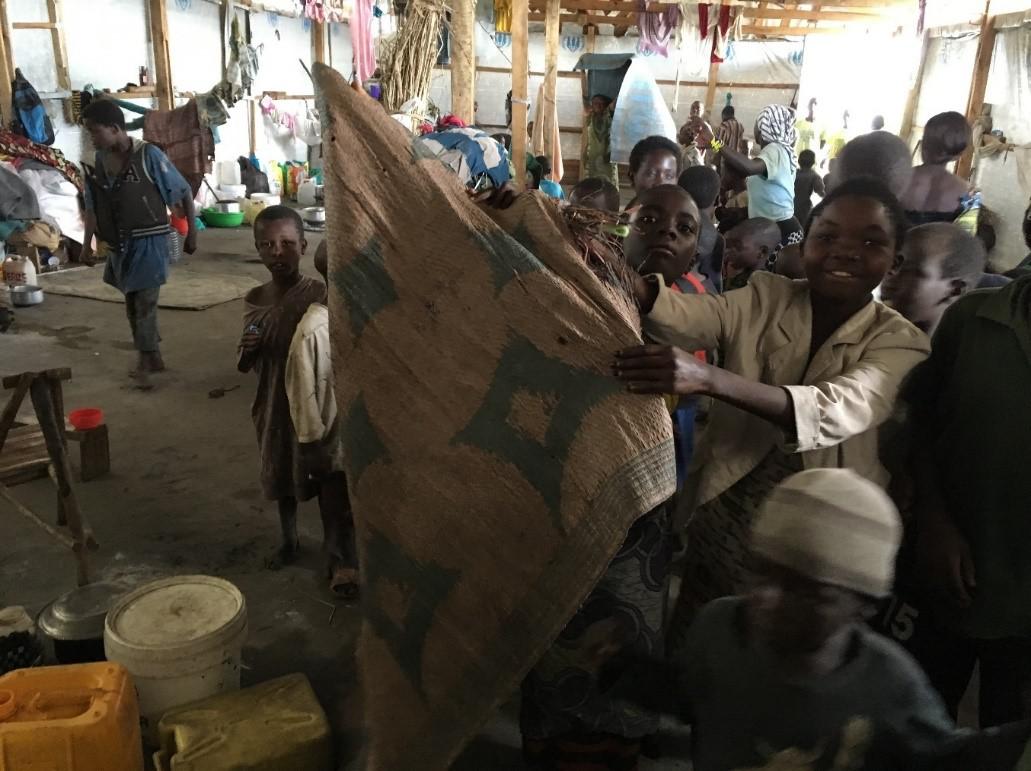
(548, 111)
(318, 42)
(6, 65)
(252, 109)
(162, 60)
(463, 59)
(978, 84)
(909, 113)
(710, 90)
(520, 68)
(592, 33)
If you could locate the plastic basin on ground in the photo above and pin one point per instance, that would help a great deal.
(217, 219)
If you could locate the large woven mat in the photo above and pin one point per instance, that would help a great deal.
(494, 464)
(186, 289)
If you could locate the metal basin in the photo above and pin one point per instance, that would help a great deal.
(26, 294)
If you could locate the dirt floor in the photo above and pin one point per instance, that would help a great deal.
(183, 493)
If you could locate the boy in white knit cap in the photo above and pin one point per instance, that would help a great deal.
(788, 676)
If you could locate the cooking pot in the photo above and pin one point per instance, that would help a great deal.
(26, 294)
(314, 214)
(227, 207)
(73, 624)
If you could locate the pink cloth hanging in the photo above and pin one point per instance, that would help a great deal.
(361, 40)
(657, 28)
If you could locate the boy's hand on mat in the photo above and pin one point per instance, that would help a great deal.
(498, 197)
(945, 563)
(86, 256)
(661, 369)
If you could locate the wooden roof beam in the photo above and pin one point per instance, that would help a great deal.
(752, 29)
(829, 12)
(621, 19)
(813, 15)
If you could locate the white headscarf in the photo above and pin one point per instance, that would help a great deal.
(776, 125)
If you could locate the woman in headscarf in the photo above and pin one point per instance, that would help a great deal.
(770, 177)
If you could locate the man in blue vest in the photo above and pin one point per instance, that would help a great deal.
(128, 192)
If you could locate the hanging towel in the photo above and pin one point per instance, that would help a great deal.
(361, 39)
(537, 141)
(728, 27)
(657, 28)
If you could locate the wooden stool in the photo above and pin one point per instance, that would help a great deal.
(94, 451)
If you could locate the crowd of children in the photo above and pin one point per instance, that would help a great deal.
(802, 635)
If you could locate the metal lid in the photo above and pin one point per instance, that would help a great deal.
(79, 614)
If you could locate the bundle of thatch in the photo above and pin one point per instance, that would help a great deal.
(408, 60)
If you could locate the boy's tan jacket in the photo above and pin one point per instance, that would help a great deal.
(762, 332)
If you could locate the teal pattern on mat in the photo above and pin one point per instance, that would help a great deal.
(365, 283)
(387, 565)
(506, 257)
(524, 368)
(364, 447)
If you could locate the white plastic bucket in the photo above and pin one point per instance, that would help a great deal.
(181, 639)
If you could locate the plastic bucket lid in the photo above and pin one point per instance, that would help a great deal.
(174, 618)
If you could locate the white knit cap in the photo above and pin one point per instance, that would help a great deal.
(831, 525)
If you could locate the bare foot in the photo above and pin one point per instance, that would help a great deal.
(283, 556)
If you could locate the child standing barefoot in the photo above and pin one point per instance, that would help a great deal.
(309, 386)
(271, 314)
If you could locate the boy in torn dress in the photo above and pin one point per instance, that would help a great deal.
(128, 192)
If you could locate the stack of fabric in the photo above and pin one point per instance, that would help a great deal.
(21, 220)
(54, 185)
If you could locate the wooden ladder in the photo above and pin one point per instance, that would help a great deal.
(55, 24)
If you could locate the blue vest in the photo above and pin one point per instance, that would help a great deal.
(130, 205)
